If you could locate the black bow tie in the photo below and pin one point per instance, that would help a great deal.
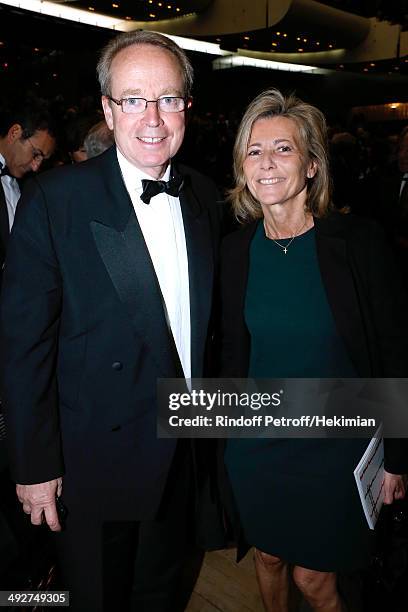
(4, 171)
(152, 188)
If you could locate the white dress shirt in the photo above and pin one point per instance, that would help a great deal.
(162, 226)
(11, 193)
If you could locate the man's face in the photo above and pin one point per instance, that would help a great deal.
(24, 155)
(149, 139)
(403, 154)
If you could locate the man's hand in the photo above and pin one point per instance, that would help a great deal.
(39, 501)
(394, 487)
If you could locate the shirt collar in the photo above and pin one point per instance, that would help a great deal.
(2, 161)
(133, 176)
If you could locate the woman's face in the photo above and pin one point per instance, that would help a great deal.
(274, 169)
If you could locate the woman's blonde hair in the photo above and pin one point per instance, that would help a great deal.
(312, 141)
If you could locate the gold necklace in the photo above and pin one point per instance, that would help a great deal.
(286, 246)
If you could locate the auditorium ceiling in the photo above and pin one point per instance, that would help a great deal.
(360, 36)
(357, 35)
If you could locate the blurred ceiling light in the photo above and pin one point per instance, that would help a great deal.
(51, 9)
(234, 61)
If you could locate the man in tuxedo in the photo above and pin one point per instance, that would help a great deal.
(26, 139)
(107, 288)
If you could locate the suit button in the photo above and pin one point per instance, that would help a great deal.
(117, 365)
(116, 428)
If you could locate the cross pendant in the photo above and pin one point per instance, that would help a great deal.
(285, 250)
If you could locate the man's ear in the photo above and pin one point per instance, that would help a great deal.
(107, 111)
(15, 133)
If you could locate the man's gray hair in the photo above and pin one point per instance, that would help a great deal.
(141, 37)
(98, 139)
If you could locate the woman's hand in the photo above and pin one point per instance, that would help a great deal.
(394, 487)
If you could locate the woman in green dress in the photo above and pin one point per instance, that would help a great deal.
(307, 292)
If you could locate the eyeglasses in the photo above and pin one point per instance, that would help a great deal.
(166, 104)
(38, 155)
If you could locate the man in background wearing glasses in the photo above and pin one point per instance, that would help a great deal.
(26, 138)
(108, 287)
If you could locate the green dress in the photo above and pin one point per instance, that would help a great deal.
(297, 498)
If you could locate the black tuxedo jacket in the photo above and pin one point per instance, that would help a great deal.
(4, 236)
(85, 337)
(364, 291)
(4, 229)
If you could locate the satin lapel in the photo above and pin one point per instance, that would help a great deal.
(121, 245)
(200, 270)
(337, 275)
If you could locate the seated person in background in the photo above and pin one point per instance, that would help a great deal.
(98, 139)
(76, 131)
(344, 165)
(387, 193)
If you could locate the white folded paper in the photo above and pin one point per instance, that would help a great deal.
(369, 475)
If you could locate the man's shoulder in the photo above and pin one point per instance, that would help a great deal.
(202, 191)
(74, 175)
(83, 169)
(195, 176)
(79, 189)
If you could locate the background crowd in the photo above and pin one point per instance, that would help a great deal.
(368, 160)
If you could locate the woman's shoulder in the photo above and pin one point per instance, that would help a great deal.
(239, 236)
(348, 225)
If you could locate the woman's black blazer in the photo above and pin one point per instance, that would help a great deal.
(364, 290)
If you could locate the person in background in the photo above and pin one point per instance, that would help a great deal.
(387, 195)
(306, 292)
(27, 137)
(98, 139)
(108, 287)
(76, 130)
(402, 192)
